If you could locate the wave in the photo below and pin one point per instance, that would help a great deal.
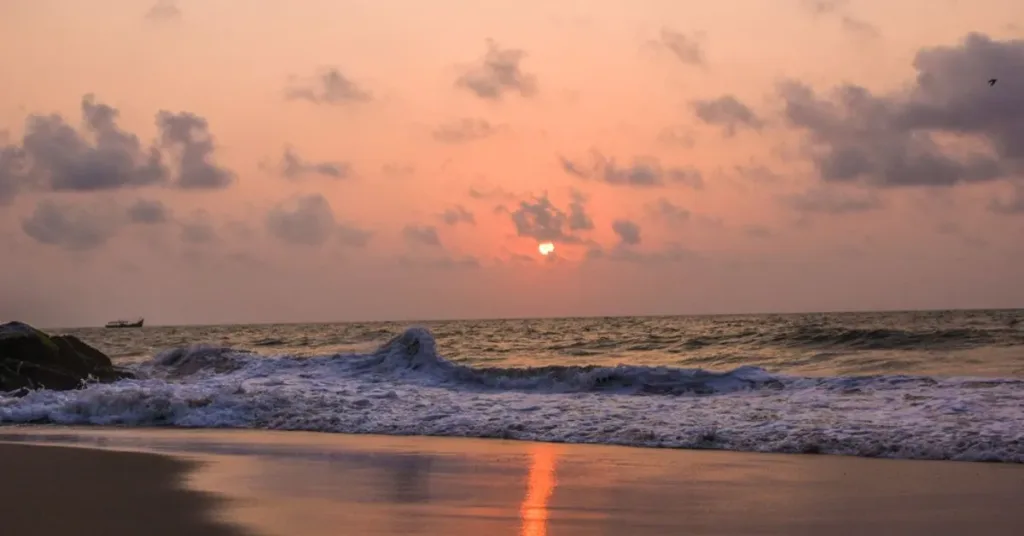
(819, 336)
(812, 336)
(405, 387)
(412, 357)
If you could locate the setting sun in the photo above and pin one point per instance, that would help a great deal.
(546, 248)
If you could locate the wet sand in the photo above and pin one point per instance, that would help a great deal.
(49, 490)
(290, 483)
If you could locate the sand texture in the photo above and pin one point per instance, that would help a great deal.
(51, 491)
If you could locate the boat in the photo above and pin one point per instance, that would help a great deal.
(137, 323)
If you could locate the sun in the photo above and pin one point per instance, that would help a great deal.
(546, 248)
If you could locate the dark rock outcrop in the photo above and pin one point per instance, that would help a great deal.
(31, 359)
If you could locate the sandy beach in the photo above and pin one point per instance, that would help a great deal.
(288, 483)
(51, 490)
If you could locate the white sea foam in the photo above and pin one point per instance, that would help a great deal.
(405, 388)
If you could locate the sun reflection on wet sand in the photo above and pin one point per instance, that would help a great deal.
(540, 485)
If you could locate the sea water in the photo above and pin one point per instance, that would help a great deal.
(919, 385)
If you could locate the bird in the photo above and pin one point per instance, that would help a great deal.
(993, 81)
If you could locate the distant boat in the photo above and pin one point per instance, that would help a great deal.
(125, 323)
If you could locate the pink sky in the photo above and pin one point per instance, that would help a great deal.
(718, 167)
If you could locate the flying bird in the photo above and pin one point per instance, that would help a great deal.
(993, 81)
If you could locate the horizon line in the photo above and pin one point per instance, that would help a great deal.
(570, 317)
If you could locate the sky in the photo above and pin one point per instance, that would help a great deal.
(219, 161)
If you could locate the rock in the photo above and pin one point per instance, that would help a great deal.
(31, 359)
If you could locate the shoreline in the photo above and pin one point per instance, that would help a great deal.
(62, 489)
(313, 483)
(76, 435)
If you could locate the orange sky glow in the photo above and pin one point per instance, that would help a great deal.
(396, 160)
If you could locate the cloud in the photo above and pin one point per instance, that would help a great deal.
(540, 219)
(579, 219)
(859, 27)
(198, 233)
(68, 226)
(685, 49)
(330, 87)
(456, 215)
(757, 172)
(665, 210)
(423, 235)
(352, 236)
(498, 73)
(823, 7)
(628, 232)
(164, 10)
(294, 167)
(839, 9)
(12, 162)
(643, 172)
(952, 95)
(307, 220)
(673, 253)
(920, 136)
(727, 111)
(189, 135)
(464, 130)
(575, 169)
(444, 262)
(54, 156)
(833, 200)
(496, 193)
(148, 212)
(515, 258)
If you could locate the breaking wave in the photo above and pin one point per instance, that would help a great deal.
(406, 388)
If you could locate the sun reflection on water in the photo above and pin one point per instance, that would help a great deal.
(540, 485)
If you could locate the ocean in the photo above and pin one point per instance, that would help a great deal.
(946, 385)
